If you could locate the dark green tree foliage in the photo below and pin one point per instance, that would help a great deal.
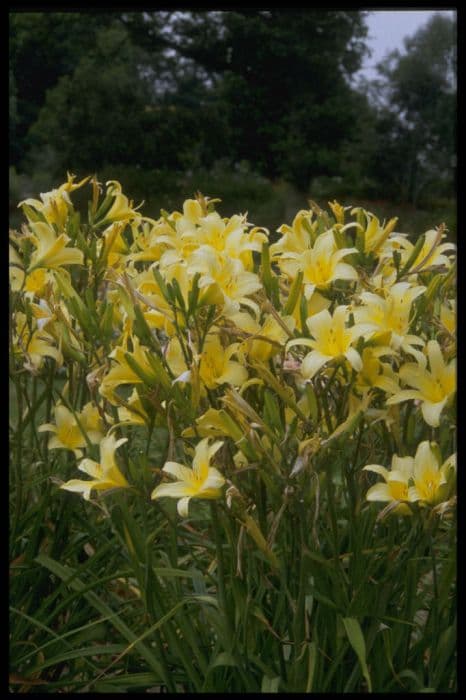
(416, 125)
(284, 76)
(42, 48)
(180, 90)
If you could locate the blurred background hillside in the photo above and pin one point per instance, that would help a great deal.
(262, 109)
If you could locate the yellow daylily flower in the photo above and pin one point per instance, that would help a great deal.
(332, 339)
(16, 269)
(34, 345)
(375, 234)
(432, 253)
(430, 479)
(227, 275)
(202, 481)
(256, 348)
(105, 475)
(216, 366)
(134, 412)
(122, 208)
(396, 486)
(67, 433)
(448, 316)
(392, 314)
(296, 238)
(123, 373)
(374, 372)
(55, 204)
(51, 251)
(214, 362)
(321, 264)
(433, 388)
(228, 236)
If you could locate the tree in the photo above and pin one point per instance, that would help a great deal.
(417, 112)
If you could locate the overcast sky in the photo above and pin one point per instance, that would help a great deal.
(388, 28)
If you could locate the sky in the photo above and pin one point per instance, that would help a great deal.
(388, 28)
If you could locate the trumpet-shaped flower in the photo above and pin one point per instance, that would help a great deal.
(321, 264)
(432, 253)
(123, 373)
(227, 275)
(392, 314)
(396, 483)
(55, 205)
(202, 481)
(51, 251)
(105, 475)
(433, 388)
(121, 208)
(34, 344)
(297, 237)
(271, 329)
(430, 478)
(216, 366)
(332, 339)
(67, 433)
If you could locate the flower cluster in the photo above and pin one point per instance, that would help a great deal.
(211, 328)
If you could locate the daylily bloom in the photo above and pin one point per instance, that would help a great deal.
(430, 479)
(391, 313)
(433, 388)
(51, 251)
(134, 412)
(296, 238)
(396, 486)
(432, 253)
(55, 204)
(34, 345)
(67, 433)
(227, 275)
(216, 366)
(105, 476)
(375, 234)
(374, 372)
(228, 236)
(202, 481)
(332, 339)
(16, 270)
(256, 348)
(122, 208)
(448, 316)
(321, 264)
(123, 373)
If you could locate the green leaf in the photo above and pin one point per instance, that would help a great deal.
(270, 685)
(356, 639)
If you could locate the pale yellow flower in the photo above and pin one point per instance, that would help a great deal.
(202, 481)
(391, 313)
(56, 204)
(67, 433)
(332, 339)
(432, 253)
(432, 388)
(297, 237)
(121, 209)
(51, 251)
(216, 366)
(105, 475)
(396, 483)
(448, 316)
(228, 275)
(430, 479)
(35, 344)
(123, 373)
(321, 264)
(271, 328)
